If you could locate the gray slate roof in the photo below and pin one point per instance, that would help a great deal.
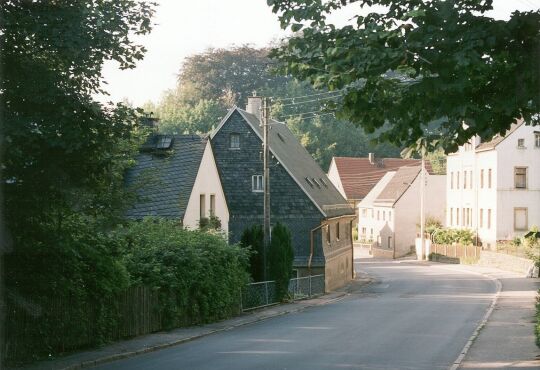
(301, 165)
(398, 185)
(164, 179)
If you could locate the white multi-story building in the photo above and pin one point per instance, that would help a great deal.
(493, 188)
(390, 213)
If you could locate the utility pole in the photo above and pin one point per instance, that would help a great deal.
(422, 216)
(266, 186)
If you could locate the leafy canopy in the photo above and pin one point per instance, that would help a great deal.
(423, 67)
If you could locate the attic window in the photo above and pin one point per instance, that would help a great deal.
(316, 182)
(164, 142)
(280, 137)
(323, 182)
(234, 141)
(521, 143)
(309, 181)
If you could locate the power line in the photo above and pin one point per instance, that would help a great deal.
(313, 100)
(310, 95)
(301, 114)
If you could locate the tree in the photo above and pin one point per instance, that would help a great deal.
(423, 67)
(253, 239)
(65, 153)
(280, 259)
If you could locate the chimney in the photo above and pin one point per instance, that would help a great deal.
(254, 105)
(148, 121)
(371, 157)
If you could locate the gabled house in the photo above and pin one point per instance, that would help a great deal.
(355, 177)
(301, 196)
(176, 178)
(493, 187)
(390, 213)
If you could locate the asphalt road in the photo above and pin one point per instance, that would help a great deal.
(414, 316)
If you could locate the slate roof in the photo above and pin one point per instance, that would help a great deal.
(164, 179)
(358, 176)
(488, 145)
(398, 185)
(300, 165)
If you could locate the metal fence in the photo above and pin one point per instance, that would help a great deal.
(262, 294)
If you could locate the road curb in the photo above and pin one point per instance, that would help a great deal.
(125, 355)
(476, 333)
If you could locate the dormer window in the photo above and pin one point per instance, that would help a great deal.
(234, 141)
(521, 143)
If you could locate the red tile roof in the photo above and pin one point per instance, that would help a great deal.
(358, 176)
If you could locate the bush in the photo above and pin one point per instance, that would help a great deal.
(198, 275)
(449, 236)
(280, 259)
(253, 240)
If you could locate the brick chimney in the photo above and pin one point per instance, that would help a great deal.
(254, 105)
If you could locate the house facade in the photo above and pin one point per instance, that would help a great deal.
(493, 187)
(176, 178)
(355, 177)
(390, 214)
(301, 196)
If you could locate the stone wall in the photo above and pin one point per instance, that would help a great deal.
(377, 252)
(505, 262)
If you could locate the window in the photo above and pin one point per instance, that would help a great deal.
(337, 231)
(390, 216)
(482, 179)
(470, 180)
(489, 178)
(328, 234)
(537, 139)
(384, 215)
(520, 177)
(451, 216)
(372, 213)
(234, 141)
(364, 231)
(202, 206)
(257, 183)
(451, 180)
(457, 180)
(364, 212)
(389, 242)
(464, 179)
(212, 204)
(521, 143)
(463, 217)
(481, 217)
(457, 216)
(520, 219)
(489, 219)
(371, 233)
(378, 215)
(164, 142)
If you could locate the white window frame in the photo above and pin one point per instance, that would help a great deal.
(526, 227)
(257, 183)
(234, 144)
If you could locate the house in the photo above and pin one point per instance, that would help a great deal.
(390, 212)
(493, 187)
(356, 177)
(176, 178)
(301, 196)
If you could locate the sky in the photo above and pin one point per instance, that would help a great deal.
(187, 27)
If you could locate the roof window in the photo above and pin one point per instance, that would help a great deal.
(316, 182)
(323, 182)
(309, 181)
(164, 142)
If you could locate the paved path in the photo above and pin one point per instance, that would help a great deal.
(416, 316)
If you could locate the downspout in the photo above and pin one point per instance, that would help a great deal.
(311, 245)
(352, 249)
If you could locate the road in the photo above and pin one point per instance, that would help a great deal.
(415, 316)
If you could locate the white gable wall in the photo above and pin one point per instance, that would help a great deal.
(207, 183)
(333, 175)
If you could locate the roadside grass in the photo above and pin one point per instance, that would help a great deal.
(537, 327)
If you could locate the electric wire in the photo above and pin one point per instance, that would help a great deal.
(310, 95)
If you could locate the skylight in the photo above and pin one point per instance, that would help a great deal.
(164, 142)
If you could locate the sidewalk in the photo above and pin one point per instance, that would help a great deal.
(157, 341)
(507, 339)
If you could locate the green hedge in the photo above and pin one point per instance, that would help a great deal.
(199, 276)
(449, 236)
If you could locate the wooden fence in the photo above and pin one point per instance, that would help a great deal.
(58, 325)
(456, 251)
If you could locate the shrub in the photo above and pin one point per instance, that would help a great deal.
(280, 259)
(212, 223)
(198, 275)
(253, 240)
(449, 236)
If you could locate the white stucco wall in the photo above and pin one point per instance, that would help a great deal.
(333, 175)
(207, 182)
(502, 197)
